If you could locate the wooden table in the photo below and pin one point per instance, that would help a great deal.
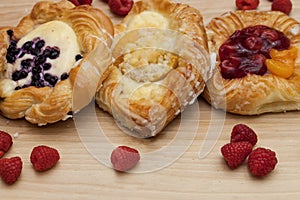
(79, 175)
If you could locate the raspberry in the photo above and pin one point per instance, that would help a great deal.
(242, 132)
(5, 142)
(235, 153)
(10, 169)
(124, 158)
(246, 4)
(44, 157)
(261, 161)
(120, 7)
(81, 2)
(284, 6)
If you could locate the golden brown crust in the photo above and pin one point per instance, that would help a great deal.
(48, 105)
(148, 87)
(253, 94)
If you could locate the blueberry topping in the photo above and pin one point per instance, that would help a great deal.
(10, 32)
(13, 43)
(18, 87)
(64, 76)
(38, 83)
(23, 74)
(27, 45)
(46, 66)
(34, 51)
(10, 58)
(46, 52)
(17, 75)
(36, 77)
(37, 64)
(54, 53)
(13, 50)
(41, 59)
(27, 63)
(36, 70)
(51, 79)
(22, 53)
(78, 57)
(40, 44)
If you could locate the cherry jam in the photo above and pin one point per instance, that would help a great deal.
(246, 50)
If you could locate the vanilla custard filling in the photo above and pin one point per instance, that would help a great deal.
(148, 19)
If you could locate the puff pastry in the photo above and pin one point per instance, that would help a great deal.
(40, 59)
(253, 94)
(155, 74)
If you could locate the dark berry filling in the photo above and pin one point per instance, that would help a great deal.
(35, 66)
(246, 50)
(64, 76)
(78, 57)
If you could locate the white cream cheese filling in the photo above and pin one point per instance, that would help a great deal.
(54, 33)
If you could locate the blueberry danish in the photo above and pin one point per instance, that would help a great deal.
(40, 58)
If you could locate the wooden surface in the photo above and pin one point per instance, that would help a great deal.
(79, 175)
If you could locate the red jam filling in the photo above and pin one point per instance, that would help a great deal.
(246, 50)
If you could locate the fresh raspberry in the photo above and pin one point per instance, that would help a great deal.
(10, 169)
(246, 4)
(120, 7)
(235, 153)
(261, 161)
(44, 157)
(124, 158)
(81, 2)
(242, 132)
(5, 142)
(284, 6)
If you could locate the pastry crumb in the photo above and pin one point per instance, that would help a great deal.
(16, 134)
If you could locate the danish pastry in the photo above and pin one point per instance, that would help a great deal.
(161, 65)
(257, 62)
(41, 56)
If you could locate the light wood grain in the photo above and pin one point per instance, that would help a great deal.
(79, 175)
